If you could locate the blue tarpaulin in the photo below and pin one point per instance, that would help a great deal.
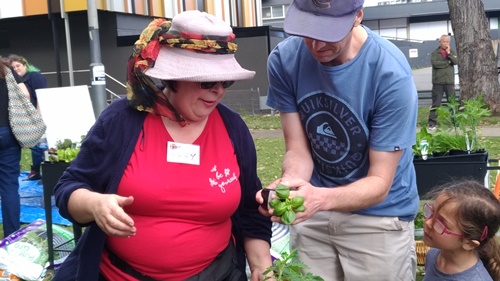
(31, 193)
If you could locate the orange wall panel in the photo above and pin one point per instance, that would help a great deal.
(139, 7)
(81, 5)
(156, 8)
(75, 5)
(35, 7)
(190, 5)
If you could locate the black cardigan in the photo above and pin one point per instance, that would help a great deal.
(99, 167)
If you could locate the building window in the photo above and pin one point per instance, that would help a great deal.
(274, 12)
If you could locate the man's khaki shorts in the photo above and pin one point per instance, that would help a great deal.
(344, 246)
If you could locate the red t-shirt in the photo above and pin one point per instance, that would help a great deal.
(182, 212)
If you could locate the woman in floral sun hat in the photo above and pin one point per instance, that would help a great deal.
(165, 180)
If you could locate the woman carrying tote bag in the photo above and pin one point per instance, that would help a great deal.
(10, 157)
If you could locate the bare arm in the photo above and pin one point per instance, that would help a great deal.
(360, 194)
(297, 171)
(259, 257)
(368, 191)
(105, 209)
(24, 89)
(297, 162)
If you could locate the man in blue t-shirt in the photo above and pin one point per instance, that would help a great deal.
(348, 107)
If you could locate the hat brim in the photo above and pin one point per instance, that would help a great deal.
(319, 27)
(184, 65)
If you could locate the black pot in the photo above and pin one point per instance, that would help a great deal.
(437, 170)
(51, 172)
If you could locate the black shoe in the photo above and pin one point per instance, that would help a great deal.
(33, 176)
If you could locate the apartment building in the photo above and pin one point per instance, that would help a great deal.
(55, 37)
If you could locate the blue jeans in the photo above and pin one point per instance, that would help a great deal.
(37, 157)
(10, 168)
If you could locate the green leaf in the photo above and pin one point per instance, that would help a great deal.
(273, 203)
(289, 267)
(282, 191)
(297, 201)
(280, 209)
(300, 209)
(288, 217)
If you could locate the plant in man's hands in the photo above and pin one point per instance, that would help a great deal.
(289, 267)
(284, 206)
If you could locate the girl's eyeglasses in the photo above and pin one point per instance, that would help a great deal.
(210, 85)
(438, 225)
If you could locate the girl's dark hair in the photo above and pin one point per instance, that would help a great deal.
(478, 217)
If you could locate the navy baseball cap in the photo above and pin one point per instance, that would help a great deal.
(324, 20)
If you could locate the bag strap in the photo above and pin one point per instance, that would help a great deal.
(12, 86)
(127, 268)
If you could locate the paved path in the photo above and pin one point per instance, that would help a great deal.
(486, 131)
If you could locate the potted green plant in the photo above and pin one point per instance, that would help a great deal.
(290, 268)
(58, 161)
(455, 149)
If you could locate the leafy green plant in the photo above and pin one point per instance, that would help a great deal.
(419, 220)
(284, 206)
(65, 151)
(289, 267)
(458, 127)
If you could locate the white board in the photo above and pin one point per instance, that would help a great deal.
(67, 112)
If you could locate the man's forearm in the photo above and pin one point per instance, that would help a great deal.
(297, 166)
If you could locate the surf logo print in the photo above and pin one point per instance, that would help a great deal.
(222, 179)
(339, 141)
(322, 4)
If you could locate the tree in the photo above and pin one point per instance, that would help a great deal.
(477, 62)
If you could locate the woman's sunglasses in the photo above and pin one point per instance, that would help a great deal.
(210, 85)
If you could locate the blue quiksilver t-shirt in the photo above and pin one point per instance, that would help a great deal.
(368, 102)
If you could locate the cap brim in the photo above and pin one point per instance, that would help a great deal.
(319, 27)
(184, 65)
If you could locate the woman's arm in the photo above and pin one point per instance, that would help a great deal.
(106, 210)
(258, 256)
(24, 89)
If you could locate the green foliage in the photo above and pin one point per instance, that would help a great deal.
(290, 268)
(458, 126)
(61, 145)
(66, 155)
(419, 220)
(286, 207)
(65, 150)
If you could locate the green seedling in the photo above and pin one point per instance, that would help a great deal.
(284, 206)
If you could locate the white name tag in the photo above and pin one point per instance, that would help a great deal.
(183, 153)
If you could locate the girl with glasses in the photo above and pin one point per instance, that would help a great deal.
(460, 227)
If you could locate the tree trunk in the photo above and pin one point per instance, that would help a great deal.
(477, 62)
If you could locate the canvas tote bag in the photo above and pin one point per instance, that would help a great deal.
(25, 121)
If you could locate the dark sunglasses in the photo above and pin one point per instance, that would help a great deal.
(210, 85)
